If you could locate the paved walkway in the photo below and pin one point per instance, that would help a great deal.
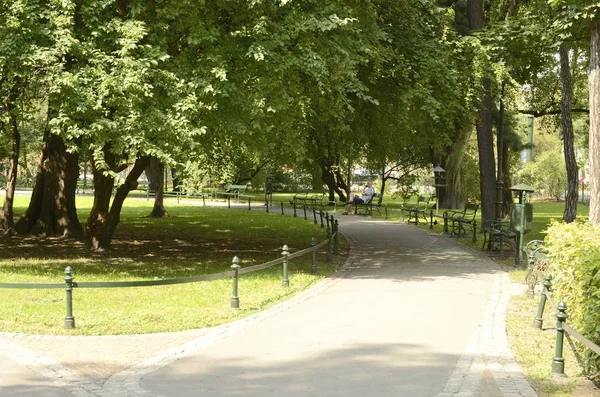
(411, 314)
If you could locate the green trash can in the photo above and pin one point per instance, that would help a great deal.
(521, 216)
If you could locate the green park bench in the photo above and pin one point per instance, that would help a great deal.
(461, 220)
(228, 191)
(309, 199)
(374, 203)
(419, 209)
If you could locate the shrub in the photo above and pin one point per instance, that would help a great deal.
(574, 253)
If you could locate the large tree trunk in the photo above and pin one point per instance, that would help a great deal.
(594, 154)
(157, 170)
(123, 190)
(454, 197)
(485, 141)
(97, 226)
(334, 181)
(104, 218)
(487, 163)
(507, 194)
(7, 215)
(567, 135)
(52, 209)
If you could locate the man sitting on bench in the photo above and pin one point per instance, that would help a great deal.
(364, 198)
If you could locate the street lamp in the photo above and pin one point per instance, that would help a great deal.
(438, 173)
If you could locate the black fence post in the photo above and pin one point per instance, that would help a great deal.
(281, 207)
(315, 215)
(327, 219)
(474, 231)
(294, 205)
(69, 319)
(321, 215)
(249, 208)
(558, 362)
(235, 300)
(328, 243)
(431, 219)
(539, 318)
(336, 239)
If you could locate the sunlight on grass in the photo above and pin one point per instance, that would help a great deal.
(193, 241)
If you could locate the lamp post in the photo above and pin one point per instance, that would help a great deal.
(438, 173)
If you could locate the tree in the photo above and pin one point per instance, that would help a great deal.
(581, 19)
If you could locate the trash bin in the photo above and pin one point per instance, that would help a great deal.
(521, 216)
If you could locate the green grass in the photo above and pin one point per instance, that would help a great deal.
(194, 241)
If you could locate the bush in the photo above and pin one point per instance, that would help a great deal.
(574, 253)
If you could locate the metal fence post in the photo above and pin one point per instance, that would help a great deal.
(249, 204)
(235, 300)
(313, 266)
(285, 253)
(294, 205)
(281, 207)
(327, 220)
(328, 244)
(321, 215)
(336, 239)
(431, 219)
(538, 320)
(558, 362)
(69, 319)
(474, 231)
(315, 215)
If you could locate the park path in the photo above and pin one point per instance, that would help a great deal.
(411, 314)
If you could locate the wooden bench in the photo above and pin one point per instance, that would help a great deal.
(418, 209)
(374, 203)
(461, 220)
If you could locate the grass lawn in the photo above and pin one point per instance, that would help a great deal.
(194, 241)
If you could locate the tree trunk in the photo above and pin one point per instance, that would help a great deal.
(334, 184)
(158, 168)
(7, 215)
(567, 134)
(176, 180)
(52, 209)
(594, 146)
(507, 195)
(104, 218)
(454, 197)
(485, 144)
(122, 192)
(97, 236)
(487, 163)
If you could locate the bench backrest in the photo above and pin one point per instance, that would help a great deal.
(470, 211)
(239, 188)
(422, 202)
(377, 199)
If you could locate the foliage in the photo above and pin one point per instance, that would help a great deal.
(547, 174)
(574, 256)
